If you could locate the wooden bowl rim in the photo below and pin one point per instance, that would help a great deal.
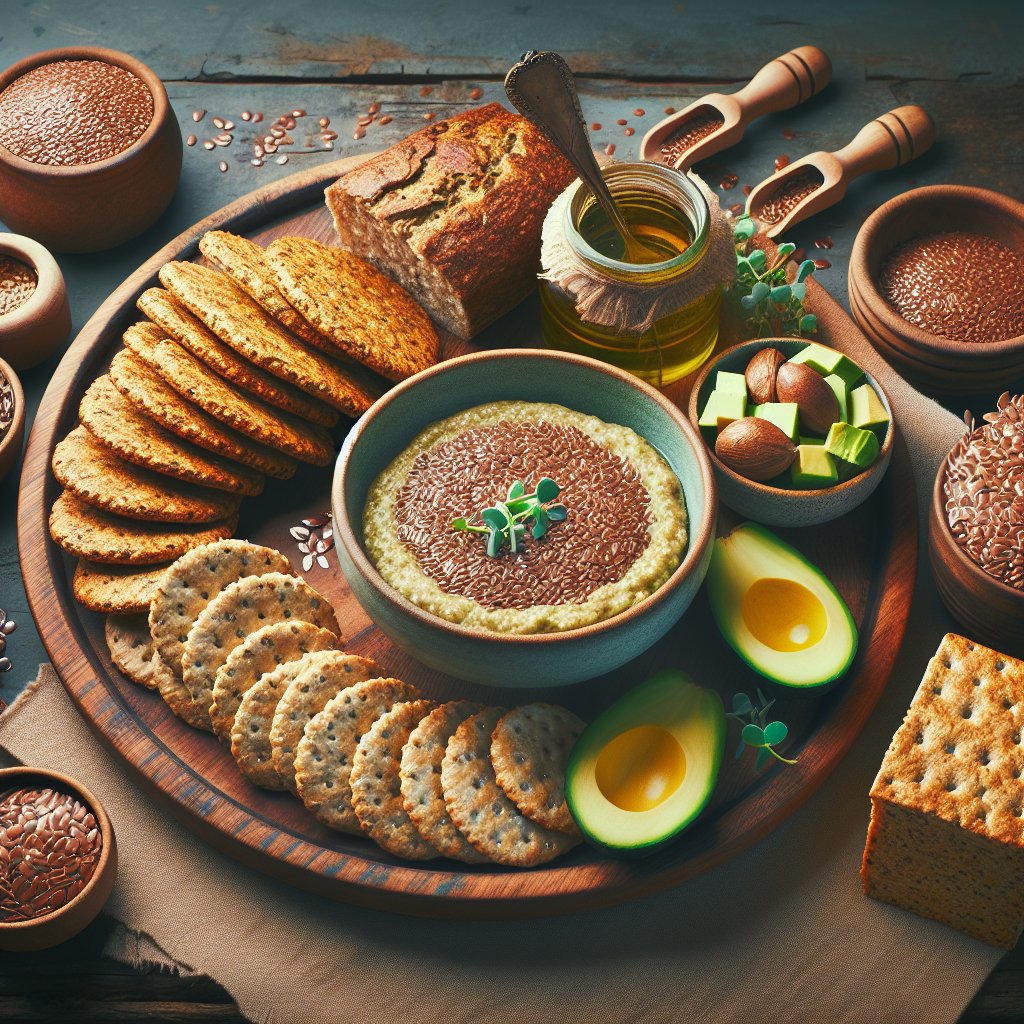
(50, 287)
(699, 540)
(938, 528)
(801, 497)
(161, 111)
(18, 421)
(872, 236)
(65, 782)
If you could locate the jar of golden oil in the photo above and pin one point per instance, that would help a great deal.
(657, 318)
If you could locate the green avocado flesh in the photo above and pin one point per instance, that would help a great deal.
(644, 769)
(779, 613)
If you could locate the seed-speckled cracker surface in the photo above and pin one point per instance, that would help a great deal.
(420, 775)
(131, 648)
(377, 788)
(259, 653)
(322, 677)
(98, 536)
(479, 808)
(323, 759)
(121, 590)
(238, 610)
(367, 315)
(120, 426)
(529, 752)
(176, 695)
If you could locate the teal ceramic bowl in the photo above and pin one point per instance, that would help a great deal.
(547, 659)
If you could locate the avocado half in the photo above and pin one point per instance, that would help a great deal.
(779, 613)
(643, 770)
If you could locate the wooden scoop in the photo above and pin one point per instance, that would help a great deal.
(788, 80)
(889, 141)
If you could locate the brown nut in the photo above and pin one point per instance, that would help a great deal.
(755, 448)
(761, 373)
(816, 402)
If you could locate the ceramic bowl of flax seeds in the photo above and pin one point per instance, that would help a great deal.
(58, 858)
(90, 149)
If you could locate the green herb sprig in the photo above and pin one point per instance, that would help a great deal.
(757, 731)
(505, 522)
(770, 306)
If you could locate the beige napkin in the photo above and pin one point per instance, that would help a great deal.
(782, 933)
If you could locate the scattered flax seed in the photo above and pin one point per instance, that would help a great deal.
(476, 92)
(747, 189)
(325, 122)
(329, 136)
(228, 126)
(621, 121)
(386, 119)
(198, 115)
(629, 131)
(825, 242)
(373, 108)
(639, 112)
(596, 126)
(246, 115)
(426, 90)
(366, 121)
(191, 140)
(670, 110)
(729, 181)
(223, 165)
(218, 122)
(781, 161)
(209, 144)
(821, 264)
(282, 159)
(429, 116)
(298, 113)
(609, 150)
(257, 117)
(788, 134)
(256, 162)
(359, 133)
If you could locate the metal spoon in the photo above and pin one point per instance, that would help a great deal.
(541, 87)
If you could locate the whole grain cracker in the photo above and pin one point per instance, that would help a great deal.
(243, 324)
(149, 392)
(193, 581)
(131, 648)
(377, 788)
(367, 315)
(181, 326)
(259, 653)
(479, 807)
(176, 696)
(322, 677)
(530, 750)
(199, 385)
(98, 536)
(238, 610)
(323, 758)
(99, 478)
(119, 425)
(420, 775)
(121, 590)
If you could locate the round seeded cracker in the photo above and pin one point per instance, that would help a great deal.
(305, 694)
(479, 808)
(131, 648)
(377, 788)
(176, 695)
(530, 750)
(117, 589)
(420, 776)
(239, 609)
(323, 759)
(262, 652)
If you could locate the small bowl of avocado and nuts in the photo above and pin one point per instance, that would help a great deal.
(798, 433)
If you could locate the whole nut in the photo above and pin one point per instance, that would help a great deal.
(817, 405)
(761, 373)
(755, 448)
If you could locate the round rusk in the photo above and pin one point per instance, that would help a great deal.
(176, 695)
(116, 589)
(131, 648)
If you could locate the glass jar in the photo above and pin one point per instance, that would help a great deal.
(666, 210)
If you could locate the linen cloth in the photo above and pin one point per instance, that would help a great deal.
(782, 932)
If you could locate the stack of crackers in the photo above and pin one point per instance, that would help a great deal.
(239, 373)
(239, 646)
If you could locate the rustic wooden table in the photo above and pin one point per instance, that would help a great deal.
(960, 62)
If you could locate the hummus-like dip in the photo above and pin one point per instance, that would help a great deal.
(624, 535)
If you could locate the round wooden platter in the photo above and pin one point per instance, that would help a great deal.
(870, 556)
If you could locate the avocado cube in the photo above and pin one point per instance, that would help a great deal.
(783, 414)
(813, 467)
(829, 362)
(866, 409)
(722, 408)
(842, 393)
(812, 440)
(731, 382)
(851, 444)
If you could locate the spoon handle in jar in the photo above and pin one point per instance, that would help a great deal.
(788, 80)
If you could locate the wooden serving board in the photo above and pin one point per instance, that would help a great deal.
(870, 556)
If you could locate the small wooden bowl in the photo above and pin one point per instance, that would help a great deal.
(942, 365)
(11, 442)
(779, 506)
(989, 610)
(31, 333)
(69, 920)
(90, 207)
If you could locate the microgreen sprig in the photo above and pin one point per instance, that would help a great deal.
(757, 731)
(770, 306)
(505, 522)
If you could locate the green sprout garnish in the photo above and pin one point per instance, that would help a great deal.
(771, 307)
(757, 731)
(505, 522)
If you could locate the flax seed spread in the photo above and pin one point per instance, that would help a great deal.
(625, 532)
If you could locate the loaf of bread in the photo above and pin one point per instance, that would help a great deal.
(454, 213)
(946, 838)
